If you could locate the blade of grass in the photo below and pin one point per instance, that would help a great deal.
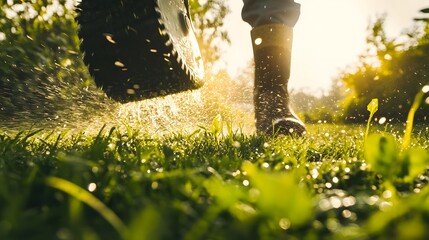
(410, 119)
(372, 108)
(89, 199)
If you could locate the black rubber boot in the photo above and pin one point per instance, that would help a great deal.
(272, 46)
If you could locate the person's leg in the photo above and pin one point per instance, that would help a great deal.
(272, 22)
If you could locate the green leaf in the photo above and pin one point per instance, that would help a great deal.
(280, 195)
(382, 153)
(373, 106)
(225, 194)
(416, 161)
(217, 125)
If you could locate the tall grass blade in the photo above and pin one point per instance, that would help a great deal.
(87, 198)
(410, 119)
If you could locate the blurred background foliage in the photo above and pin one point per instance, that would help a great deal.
(392, 70)
(42, 74)
(41, 71)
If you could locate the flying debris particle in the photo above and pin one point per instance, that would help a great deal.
(131, 91)
(153, 50)
(119, 64)
(425, 89)
(109, 38)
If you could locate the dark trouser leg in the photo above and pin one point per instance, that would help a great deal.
(272, 35)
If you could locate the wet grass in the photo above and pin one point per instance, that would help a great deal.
(213, 184)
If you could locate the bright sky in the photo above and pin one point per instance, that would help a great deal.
(329, 36)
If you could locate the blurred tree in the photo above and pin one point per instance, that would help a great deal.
(39, 61)
(41, 69)
(208, 17)
(392, 70)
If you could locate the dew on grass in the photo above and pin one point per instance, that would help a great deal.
(372, 200)
(335, 202)
(385, 205)
(387, 194)
(325, 204)
(346, 213)
(349, 201)
(236, 173)
(314, 173)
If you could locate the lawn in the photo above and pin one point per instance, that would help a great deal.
(214, 184)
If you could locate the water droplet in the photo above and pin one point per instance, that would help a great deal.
(246, 183)
(236, 173)
(284, 224)
(349, 201)
(325, 205)
(346, 213)
(372, 200)
(92, 187)
(387, 194)
(258, 41)
(384, 205)
(425, 89)
(335, 202)
(314, 173)
(382, 120)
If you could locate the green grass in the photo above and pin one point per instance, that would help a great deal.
(122, 184)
